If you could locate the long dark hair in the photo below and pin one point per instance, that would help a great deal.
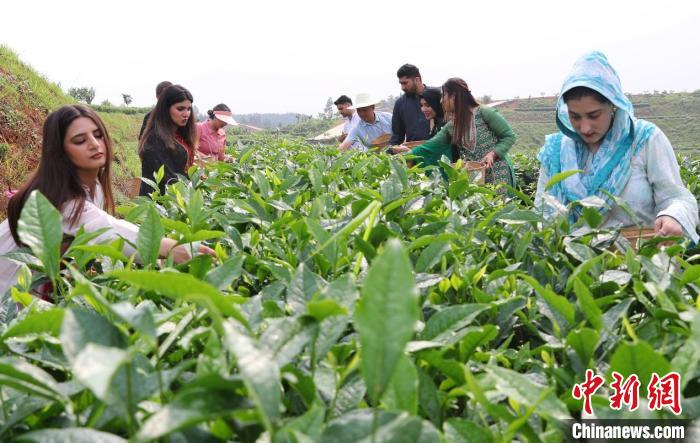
(464, 101)
(57, 177)
(162, 126)
(432, 97)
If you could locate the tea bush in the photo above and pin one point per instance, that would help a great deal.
(353, 299)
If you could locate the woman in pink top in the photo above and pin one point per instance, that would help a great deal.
(212, 137)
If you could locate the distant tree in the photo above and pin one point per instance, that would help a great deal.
(83, 94)
(328, 109)
(127, 99)
(198, 115)
(486, 99)
(106, 103)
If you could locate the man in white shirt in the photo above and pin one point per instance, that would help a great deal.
(345, 109)
(372, 126)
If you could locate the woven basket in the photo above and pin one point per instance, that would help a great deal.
(634, 234)
(477, 170)
(133, 187)
(381, 141)
(413, 144)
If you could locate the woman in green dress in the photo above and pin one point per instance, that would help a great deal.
(476, 133)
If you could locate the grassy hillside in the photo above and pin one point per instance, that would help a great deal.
(26, 98)
(678, 115)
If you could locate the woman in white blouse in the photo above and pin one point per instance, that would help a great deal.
(74, 174)
(622, 158)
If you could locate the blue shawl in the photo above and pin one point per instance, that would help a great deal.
(565, 150)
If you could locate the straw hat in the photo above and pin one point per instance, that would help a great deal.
(362, 100)
(226, 117)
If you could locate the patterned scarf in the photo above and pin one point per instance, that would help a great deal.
(611, 166)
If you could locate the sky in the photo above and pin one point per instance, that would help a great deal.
(274, 56)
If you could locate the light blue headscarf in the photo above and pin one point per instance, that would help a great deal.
(565, 150)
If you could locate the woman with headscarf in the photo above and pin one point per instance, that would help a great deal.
(622, 159)
(212, 136)
(432, 109)
(476, 133)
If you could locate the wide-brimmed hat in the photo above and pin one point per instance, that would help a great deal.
(226, 117)
(362, 100)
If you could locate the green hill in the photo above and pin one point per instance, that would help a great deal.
(26, 98)
(677, 114)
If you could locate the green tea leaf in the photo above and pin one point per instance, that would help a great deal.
(40, 227)
(303, 286)
(640, 359)
(285, 338)
(37, 322)
(388, 308)
(224, 275)
(149, 238)
(402, 393)
(81, 327)
(95, 367)
(259, 371)
(25, 377)
(182, 286)
(447, 322)
(69, 435)
(584, 342)
(557, 302)
(465, 431)
(189, 407)
(527, 392)
(357, 427)
(431, 255)
(692, 274)
(560, 177)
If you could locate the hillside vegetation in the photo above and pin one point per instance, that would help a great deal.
(26, 98)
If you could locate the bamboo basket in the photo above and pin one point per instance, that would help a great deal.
(634, 234)
(133, 187)
(381, 141)
(477, 170)
(413, 144)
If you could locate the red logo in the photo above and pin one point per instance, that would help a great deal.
(662, 391)
(625, 393)
(588, 388)
(665, 392)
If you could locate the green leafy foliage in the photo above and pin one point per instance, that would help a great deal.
(352, 299)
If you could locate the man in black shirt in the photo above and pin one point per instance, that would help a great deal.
(159, 89)
(408, 122)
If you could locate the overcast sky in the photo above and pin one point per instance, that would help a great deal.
(269, 56)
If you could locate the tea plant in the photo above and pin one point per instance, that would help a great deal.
(353, 299)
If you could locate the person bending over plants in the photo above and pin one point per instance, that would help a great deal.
(476, 134)
(74, 174)
(620, 159)
(211, 134)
